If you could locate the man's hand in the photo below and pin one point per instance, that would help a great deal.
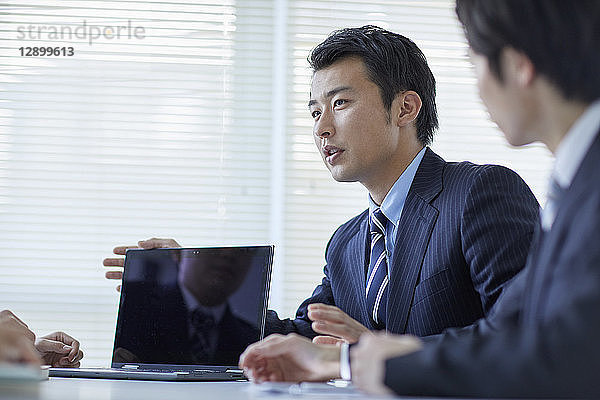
(290, 358)
(16, 340)
(368, 357)
(336, 325)
(153, 243)
(10, 321)
(59, 350)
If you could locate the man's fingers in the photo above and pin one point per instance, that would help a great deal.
(331, 329)
(113, 262)
(118, 275)
(67, 364)
(59, 349)
(60, 343)
(249, 359)
(322, 306)
(71, 361)
(78, 357)
(155, 243)
(71, 341)
(336, 316)
(326, 339)
(324, 312)
(268, 347)
(349, 332)
(121, 250)
(52, 346)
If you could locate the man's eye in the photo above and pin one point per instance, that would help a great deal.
(339, 102)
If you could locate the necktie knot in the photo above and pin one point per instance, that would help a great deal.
(378, 222)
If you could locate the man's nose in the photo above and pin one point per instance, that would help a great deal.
(324, 126)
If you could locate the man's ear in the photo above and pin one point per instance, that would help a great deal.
(517, 68)
(405, 108)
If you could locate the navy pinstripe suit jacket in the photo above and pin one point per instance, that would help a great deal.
(543, 342)
(464, 232)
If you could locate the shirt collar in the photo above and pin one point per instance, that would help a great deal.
(574, 146)
(393, 203)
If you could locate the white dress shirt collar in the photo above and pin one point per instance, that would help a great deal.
(574, 146)
(569, 156)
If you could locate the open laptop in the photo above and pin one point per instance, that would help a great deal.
(187, 314)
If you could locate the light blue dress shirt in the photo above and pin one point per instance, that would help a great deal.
(393, 203)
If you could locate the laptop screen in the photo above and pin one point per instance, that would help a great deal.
(191, 306)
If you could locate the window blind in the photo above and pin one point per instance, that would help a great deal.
(164, 135)
(195, 128)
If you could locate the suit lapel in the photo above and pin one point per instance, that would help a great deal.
(360, 256)
(414, 232)
(545, 250)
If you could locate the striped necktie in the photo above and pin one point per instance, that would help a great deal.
(377, 277)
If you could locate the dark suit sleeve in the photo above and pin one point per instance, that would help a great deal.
(302, 324)
(507, 311)
(553, 353)
(497, 226)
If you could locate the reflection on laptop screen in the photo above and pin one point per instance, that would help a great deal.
(200, 306)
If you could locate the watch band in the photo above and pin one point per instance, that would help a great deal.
(345, 370)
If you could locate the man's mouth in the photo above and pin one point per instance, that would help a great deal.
(331, 153)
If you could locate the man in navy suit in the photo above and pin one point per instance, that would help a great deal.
(537, 66)
(456, 233)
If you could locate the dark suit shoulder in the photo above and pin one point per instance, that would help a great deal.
(349, 228)
(470, 172)
(488, 180)
(354, 223)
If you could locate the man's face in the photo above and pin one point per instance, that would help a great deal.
(213, 278)
(510, 106)
(351, 125)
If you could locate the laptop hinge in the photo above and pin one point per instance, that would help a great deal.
(130, 366)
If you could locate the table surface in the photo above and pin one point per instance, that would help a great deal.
(107, 389)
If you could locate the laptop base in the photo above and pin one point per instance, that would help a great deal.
(117, 373)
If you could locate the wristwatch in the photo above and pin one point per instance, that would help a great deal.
(345, 370)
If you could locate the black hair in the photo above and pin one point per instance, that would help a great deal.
(560, 37)
(393, 62)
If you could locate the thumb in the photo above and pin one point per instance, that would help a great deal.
(52, 346)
